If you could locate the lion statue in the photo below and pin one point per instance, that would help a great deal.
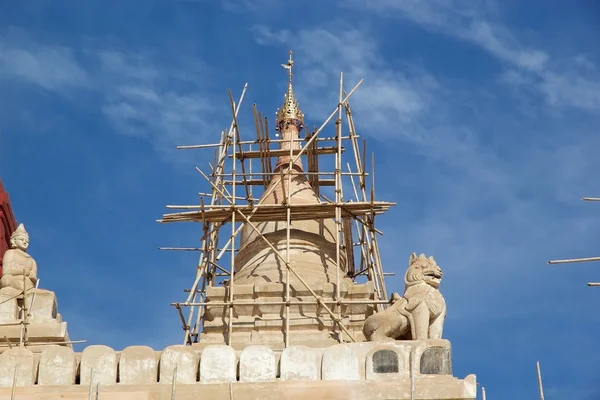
(419, 314)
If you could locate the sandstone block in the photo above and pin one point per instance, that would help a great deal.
(17, 362)
(9, 309)
(341, 362)
(137, 366)
(58, 366)
(257, 364)
(184, 359)
(218, 364)
(300, 363)
(42, 305)
(102, 360)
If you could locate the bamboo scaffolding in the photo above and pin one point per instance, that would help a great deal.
(297, 157)
(229, 206)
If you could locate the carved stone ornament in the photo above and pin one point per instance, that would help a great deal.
(417, 315)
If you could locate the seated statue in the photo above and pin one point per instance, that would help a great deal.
(19, 270)
(417, 315)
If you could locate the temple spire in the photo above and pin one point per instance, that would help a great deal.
(289, 113)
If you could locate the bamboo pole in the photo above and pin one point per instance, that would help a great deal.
(338, 200)
(25, 312)
(483, 393)
(9, 345)
(237, 137)
(539, 377)
(91, 384)
(412, 374)
(574, 260)
(173, 383)
(14, 383)
(360, 233)
(232, 263)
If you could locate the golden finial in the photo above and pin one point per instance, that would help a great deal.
(290, 111)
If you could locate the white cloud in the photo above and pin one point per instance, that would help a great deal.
(164, 104)
(475, 22)
(54, 68)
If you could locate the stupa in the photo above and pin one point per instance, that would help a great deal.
(289, 298)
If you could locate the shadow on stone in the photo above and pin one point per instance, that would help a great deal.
(385, 361)
(436, 361)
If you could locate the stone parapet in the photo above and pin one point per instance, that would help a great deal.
(367, 368)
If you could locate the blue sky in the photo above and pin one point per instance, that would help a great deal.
(483, 115)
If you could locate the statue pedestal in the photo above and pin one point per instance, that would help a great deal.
(45, 325)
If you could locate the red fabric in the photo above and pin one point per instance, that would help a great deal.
(8, 224)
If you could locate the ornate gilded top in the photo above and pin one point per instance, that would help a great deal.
(290, 110)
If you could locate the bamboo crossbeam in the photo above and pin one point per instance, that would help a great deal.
(299, 212)
(278, 153)
(30, 344)
(574, 260)
(292, 173)
(593, 284)
(281, 303)
(258, 141)
(591, 199)
(181, 248)
(257, 182)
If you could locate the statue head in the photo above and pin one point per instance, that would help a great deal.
(20, 238)
(423, 269)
